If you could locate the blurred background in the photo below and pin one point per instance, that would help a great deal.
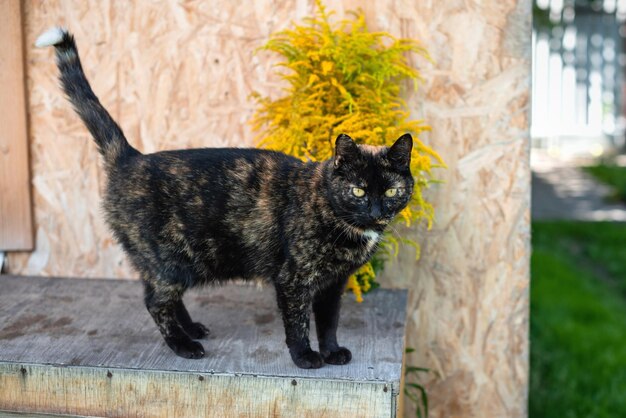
(578, 161)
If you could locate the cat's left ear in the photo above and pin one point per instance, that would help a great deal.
(345, 150)
(400, 152)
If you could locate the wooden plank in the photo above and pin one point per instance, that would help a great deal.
(13, 414)
(59, 339)
(122, 392)
(16, 229)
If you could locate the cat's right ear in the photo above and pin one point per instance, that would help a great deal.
(345, 150)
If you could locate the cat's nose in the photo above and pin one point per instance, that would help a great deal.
(375, 211)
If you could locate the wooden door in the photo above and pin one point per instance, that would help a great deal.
(16, 224)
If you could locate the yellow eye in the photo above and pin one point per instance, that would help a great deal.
(391, 192)
(358, 192)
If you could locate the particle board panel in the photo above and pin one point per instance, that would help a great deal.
(179, 75)
(16, 229)
(89, 347)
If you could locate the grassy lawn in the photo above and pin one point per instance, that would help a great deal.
(612, 175)
(578, 320)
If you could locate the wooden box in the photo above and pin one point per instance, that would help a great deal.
(89, 347)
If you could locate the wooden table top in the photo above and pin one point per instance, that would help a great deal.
(103, 323)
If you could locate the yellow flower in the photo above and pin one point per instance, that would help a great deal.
(327, 67)
(356, 289)
(343, 78)
(314, 56)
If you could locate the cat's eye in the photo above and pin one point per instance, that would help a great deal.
(358, 192)
(391, 192)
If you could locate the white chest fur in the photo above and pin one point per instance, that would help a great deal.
(372, 238)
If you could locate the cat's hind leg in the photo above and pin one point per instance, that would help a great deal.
(162, 300)
(195, 330)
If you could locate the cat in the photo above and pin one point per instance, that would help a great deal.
(199, 216)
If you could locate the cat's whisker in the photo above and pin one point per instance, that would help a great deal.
(341, 232)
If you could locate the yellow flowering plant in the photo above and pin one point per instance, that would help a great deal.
(342, 78)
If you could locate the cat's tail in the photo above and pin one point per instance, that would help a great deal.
(109, 137)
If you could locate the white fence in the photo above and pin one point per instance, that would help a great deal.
(578, 62)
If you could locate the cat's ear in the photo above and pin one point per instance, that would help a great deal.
(400, 152)
(345, 150)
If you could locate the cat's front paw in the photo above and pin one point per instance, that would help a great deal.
(308, 360)
(339, 357)
(185, 347)
(197, 331)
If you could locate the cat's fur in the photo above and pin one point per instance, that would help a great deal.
(199, 216)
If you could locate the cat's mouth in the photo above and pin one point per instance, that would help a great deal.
(372, 224)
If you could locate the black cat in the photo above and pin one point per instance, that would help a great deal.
(198, 216)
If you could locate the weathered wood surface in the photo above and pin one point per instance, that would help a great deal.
(60, 338)
(16, 229)
(14, 414)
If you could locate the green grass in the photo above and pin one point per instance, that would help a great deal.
(613, 176)
(578, 320)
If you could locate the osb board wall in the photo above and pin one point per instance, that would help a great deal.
(179, 75)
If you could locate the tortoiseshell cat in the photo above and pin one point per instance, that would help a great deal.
(198, 216)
